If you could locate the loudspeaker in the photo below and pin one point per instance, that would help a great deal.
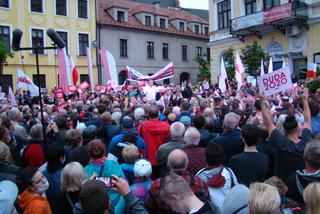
(54, 36)
(16, 39)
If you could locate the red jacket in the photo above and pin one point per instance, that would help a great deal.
(155, 133)
(33, 155)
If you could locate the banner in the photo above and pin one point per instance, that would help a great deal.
(165, 73)
(100, 88)
(239, 70)
(23, 81)
(109, 64)
(275, 82)
(89, 60)
(243, 22)
(276, 13)
(72, 88)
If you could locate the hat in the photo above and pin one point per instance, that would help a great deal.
(237, 200)
(185, 120)
(142, 168)
(8, 195)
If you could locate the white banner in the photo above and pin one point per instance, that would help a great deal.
(275, 82)
(247, 21)
(23, 81)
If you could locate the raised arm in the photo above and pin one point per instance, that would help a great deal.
(306, 110)
(267, 120)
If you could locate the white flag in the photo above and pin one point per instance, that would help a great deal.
(11, 97)
(222, 77)
(239, 70)
(270, 69)
(89, 60)
(283, 63)
(261, 68)
(23, 81)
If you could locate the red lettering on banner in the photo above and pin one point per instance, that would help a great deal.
(21, 79)
(275, 81)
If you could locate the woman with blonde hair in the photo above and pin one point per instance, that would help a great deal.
(311, 196)
(72, 178)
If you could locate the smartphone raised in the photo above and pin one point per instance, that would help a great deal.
(106, 180)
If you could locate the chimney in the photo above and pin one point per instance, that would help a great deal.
(156, 4)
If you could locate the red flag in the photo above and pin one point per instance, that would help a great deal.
(311, 71)
(75, 75)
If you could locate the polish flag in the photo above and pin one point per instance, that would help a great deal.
(89, 60)
(239, 70)
(75, 74)
(311, 70)
(109, 64)
(222, 77)
(64, 69)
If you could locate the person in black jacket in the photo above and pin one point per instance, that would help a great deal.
(187, 91)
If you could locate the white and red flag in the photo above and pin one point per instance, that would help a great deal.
(261, 68)
(11, 97)
(109, 64)
(239, 70)
(23, 81)
(64, 69)
(222, 77)
(75, 74)
(312, 70)
(89, 60)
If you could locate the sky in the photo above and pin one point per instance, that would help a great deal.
(196, 4)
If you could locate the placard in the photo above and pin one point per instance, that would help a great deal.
(275, 82)
(2, 95)
(72, 88)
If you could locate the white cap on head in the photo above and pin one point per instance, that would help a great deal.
(142, 168)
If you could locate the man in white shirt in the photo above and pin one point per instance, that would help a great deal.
(150, 90)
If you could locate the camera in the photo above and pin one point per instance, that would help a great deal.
(106, 180)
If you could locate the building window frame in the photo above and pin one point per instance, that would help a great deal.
(147, 20)
(184, 49)
(250, 6)
(123, 47)
(80, 51)
(41, 51)
(196, 29)
(206, 31)
(66, 8)
(43, 83)
(165, 51)
(199, 51)
(182, 26)
(162, 23)
(150, 50)
(224, 14)
(9, 35)
(8, 6)
(87, 13)
(66, 41)
(42, 7)
(273, 3)
(120, 16)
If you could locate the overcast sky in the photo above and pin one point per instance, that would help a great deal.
(197, 4)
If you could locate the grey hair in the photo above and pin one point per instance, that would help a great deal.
(231, 121)
(138, 112)
(116, 116)
(13, 113)
(36, 132)
(192, 136)
(177, 130)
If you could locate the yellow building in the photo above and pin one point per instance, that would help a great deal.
(287, 30)
(74, 20)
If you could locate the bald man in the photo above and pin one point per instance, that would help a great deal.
(177, 162)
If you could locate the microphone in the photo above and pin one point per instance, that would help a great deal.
(54, 36)
(16, 39)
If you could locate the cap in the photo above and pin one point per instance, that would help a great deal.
(185, 120)
(142, 168)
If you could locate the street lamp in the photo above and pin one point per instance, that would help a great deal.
(57, 43)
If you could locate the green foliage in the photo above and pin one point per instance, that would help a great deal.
(204, 71)
(229, 61)
(251, 57)
(313, 85)
(4, 54)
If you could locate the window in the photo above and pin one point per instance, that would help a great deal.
(84, 77)
(165, 51)
(251, 6)
(196, 29)
(83, 44)
(267, 4)
(123, 48)
(5, 82)
(83, 9)
(5, 36)
(206, 30)
(37, 40)
(61, 7)
(181, 26)
(184, 53)
(224, 14)
(42, 80)
(208, 54)
(64, 37)
(4, 3)
(199, 51)
(120, 16)
(147, 20)
(36, 6)
(150, 50)
(162, 23)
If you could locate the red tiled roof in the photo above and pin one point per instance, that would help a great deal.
(134, 8)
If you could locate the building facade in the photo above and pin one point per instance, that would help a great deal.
(147, 37)
(286, 29)
(74, 20)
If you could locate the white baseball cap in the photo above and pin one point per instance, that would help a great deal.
(142, 168)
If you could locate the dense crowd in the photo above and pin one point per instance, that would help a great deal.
(173, 149)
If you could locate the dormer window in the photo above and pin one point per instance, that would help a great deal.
(206, 30)
(196, 29)
(181, 26)
(162, 23)
(120, 16)
(147, 20)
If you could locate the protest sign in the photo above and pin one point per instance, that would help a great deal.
(2, 95)
(72, 88)
(275, 82)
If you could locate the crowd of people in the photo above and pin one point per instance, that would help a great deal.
(174, 149)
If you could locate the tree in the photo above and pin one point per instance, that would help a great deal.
(4, 54)
(251, 57)
(204, 71)
(229, 62)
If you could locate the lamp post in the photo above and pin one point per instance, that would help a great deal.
(57, 43)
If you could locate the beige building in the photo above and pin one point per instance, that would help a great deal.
(74, 20)
(286, 29)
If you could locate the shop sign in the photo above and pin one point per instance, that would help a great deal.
(298, 44)
(247, 21)
(274, 49)
(277, 13)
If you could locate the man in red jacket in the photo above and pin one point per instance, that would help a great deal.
(155, 133)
